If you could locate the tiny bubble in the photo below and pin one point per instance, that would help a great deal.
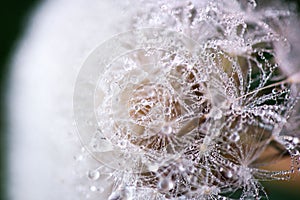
(165, 184)
(295, 140)
(94, 174)
(153, 167)
(167, 129)
(163, 7)
(93, 188)
(234, 137)
(229, 174)
(252, 3)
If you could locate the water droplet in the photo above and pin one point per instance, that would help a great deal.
(295, 140)
(167, 110)
(275, 91)
(163, 7)
(252, 3)
(93, 188)
(167, 129)
(78, 158)
(190, 5)
(129, 64)
(152, 93)
(181, 168)
(153, 167)
(144, 102)
(189, 67)
(165, 184)
(94, 175)
(229, 174)
(122, 144)
(136, 107)
(216, 113)
(234, 137)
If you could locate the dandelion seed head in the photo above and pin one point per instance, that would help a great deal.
(186, 109)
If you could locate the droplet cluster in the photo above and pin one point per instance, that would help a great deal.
(201, 124)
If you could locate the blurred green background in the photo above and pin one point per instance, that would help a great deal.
(14, 15)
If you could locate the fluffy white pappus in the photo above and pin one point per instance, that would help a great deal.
(43, 139)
